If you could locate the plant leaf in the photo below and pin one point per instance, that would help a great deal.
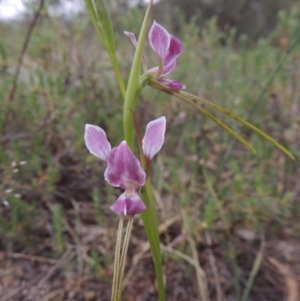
(151, 227)
(189, 98)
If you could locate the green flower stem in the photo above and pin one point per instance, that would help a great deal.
(149, 216)
(117, 260)
(134, 83)
(123, 257)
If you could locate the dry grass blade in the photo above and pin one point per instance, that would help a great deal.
(212, 262)
(145, 247)
(255, 268)
(292, 284)
(201, 278)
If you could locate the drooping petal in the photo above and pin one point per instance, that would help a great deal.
(123, 167)
(96, 141)
(154, 137)
(159, 39)
(132, 37)
(128, 205)
(172, 84)
(175, 50)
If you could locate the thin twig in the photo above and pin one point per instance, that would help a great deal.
(201, 277)
(255, 268)
(145, 247)
(212, 262)
(33, 258)
(13, 87)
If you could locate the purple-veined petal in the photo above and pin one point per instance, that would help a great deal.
(132, 37)
(154, 137)
(172, 83)
(175, 50)
(159, 39)
(96, 141)
(123, 168)
(168, 68)
(125, 205)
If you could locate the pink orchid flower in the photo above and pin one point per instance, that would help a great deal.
(168, 49)
(123, 168)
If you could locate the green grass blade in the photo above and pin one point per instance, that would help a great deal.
(99, 29)
(151, 227)
(240, 120)
(102, 22)
(215, 119)
(222, 125)
(255, 269)
(189, 98)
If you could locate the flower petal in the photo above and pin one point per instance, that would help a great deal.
(132, 37)
(128, 205)
(159, 39)
(172, 84)
(123, 167)
(175, 50)
(168, 68)
(154, 137)
(96, 141)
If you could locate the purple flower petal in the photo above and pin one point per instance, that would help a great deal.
(175, 50)
(168, 68)
(96, 141)
(123, 168)
(159, 40)
(125, 205)
(132, 37)
(172, 83)
(154, 137)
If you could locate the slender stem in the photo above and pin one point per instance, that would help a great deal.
(32, 25)
(117, 260)
(255, 269)
(134, 82)
(119, 78)
(123, 257)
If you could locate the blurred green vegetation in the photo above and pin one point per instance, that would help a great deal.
(66, 81)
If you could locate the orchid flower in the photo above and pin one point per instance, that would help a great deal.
(123, 168)
(168, 49)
